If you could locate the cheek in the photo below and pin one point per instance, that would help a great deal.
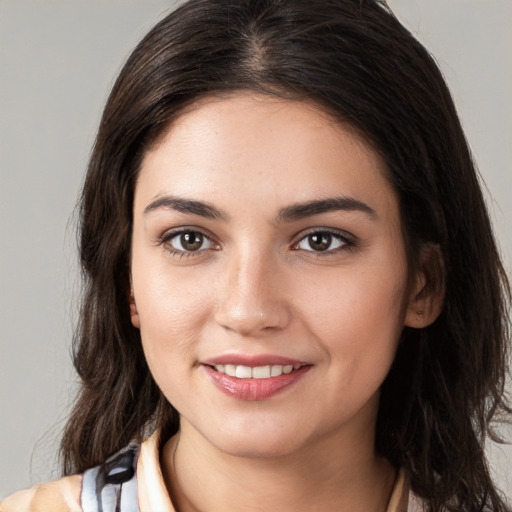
(356, 315)
(170, 323)
(355, 302)
(172, 309)
(357, 324)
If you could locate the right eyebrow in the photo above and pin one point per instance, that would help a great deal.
(303, 210)
(201, 208)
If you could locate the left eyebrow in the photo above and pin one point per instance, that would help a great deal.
(201, 208)
(302, 210)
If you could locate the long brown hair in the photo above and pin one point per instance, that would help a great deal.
(357, 62)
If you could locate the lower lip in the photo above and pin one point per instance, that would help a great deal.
(254, 389)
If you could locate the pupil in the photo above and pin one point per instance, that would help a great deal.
(320, 242)
(191, 241)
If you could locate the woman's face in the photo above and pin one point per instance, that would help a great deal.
(269, 275)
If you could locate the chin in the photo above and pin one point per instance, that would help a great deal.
(256, 444)
(262, 450)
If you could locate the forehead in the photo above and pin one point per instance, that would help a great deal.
(261, 148)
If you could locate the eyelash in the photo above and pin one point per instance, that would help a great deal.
(167, 238)
(345, 240)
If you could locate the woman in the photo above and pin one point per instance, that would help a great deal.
(293, 296)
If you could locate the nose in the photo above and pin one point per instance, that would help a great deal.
(252, 299)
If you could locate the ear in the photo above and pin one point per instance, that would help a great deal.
(134, 315)
(427, 289)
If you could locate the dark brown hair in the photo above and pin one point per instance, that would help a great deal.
(357, 62)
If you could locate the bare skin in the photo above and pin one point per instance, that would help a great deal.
(290, 483)
(265, 232)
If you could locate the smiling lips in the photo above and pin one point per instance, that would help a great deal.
(254, 381)
(258, 372)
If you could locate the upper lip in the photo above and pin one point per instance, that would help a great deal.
(252, 360)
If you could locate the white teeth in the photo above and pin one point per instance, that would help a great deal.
(230, 369)
(243, 372)
(261, 372)
(276, 370)
(257, 372)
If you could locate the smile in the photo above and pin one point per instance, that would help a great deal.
(257, 372)
(251, 383)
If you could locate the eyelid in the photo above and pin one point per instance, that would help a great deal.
(348, 238)
(168, 235)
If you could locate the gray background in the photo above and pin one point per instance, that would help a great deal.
(58, 60)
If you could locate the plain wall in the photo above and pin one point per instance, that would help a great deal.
(58, 60)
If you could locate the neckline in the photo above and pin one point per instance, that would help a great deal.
(153, 493)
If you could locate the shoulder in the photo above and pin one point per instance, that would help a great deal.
(98, 488)
(58, 496)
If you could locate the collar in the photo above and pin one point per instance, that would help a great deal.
(153, 495)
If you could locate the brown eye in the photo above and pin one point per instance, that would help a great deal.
(190, 241)
(322, 241)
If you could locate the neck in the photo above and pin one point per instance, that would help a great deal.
(201, 478)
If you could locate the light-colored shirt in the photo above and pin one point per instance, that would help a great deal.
(64, 495)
